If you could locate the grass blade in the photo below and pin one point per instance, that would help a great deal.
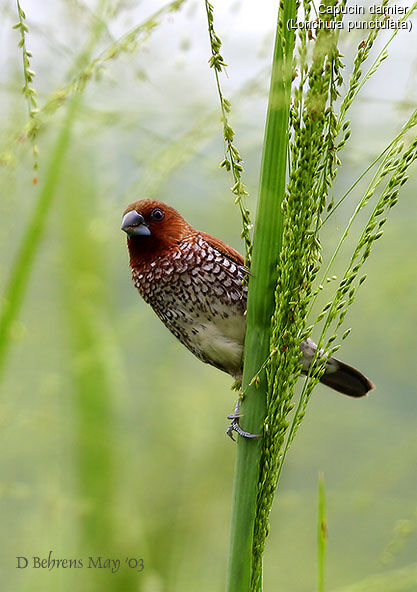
(321, 535)
(267, 241)
(20, 271)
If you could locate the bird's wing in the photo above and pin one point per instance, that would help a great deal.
(227, 251)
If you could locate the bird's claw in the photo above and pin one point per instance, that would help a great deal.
(234, 415)
(235, 427)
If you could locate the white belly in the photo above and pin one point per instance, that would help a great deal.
(221, 341)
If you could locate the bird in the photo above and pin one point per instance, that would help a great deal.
(196, 285)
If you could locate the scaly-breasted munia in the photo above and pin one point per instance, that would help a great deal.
(194, 283)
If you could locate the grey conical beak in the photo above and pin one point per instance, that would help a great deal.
(133, 224)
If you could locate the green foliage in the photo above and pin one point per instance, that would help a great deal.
(316, 127)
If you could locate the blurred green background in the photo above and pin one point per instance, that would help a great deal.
(112, 434)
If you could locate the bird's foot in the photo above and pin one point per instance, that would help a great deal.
(235, 427)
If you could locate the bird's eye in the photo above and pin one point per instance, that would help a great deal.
(157, 215)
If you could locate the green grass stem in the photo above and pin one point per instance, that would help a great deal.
(20, 270)
(267, 241)
(91, 370)
(321, 535)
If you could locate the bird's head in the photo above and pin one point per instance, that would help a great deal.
(152, 227)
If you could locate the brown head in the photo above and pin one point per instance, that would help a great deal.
(152, 228)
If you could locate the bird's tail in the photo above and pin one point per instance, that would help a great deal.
(346, 379)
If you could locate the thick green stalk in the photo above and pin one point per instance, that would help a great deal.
(267, 243)
(91, 375)
(321, 535)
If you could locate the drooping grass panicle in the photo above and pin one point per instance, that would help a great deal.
(411, 122)
(394, 167)
(232, 159)
(333, 314)
(386, 161)
(28, 89)
(358, 79)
